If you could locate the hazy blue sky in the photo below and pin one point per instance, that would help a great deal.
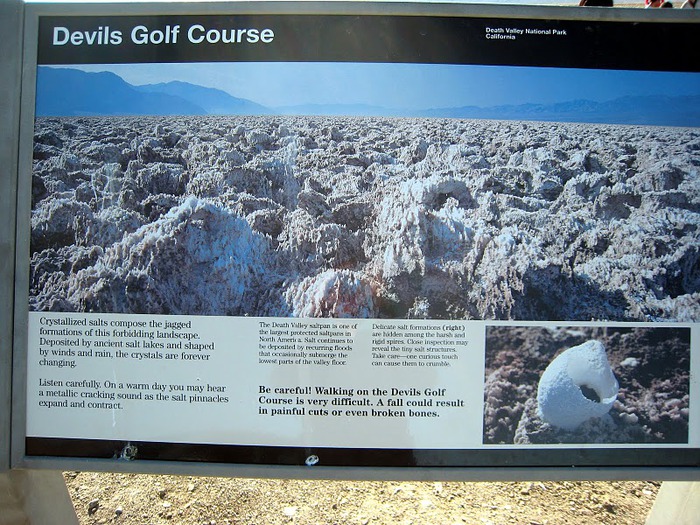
(517, 2)
(406, 86)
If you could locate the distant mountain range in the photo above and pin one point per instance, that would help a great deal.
(212, 101)
(656, 110)
(71, 92)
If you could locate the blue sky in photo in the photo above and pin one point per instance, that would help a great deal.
(407, 86)
(573, 3)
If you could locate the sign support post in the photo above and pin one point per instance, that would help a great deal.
(35, 496)
(677, 502)
(26, 496)
(10, 64)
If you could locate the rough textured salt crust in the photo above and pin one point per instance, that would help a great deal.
(197, 256)
(447, 219)
(332, 294)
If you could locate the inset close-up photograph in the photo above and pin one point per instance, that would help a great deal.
(586, 385)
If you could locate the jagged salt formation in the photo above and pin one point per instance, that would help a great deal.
(332, 294)
(197, 257)
(438, 218)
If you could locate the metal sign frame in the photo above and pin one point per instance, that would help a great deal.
(33, 13)
(10, 64)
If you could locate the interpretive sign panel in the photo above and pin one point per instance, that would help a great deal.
(341, 238)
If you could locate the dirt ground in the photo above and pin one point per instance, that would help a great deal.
(128, 499)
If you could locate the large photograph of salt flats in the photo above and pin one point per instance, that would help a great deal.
(353, 200)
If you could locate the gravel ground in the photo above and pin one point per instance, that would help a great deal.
(129, 499)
